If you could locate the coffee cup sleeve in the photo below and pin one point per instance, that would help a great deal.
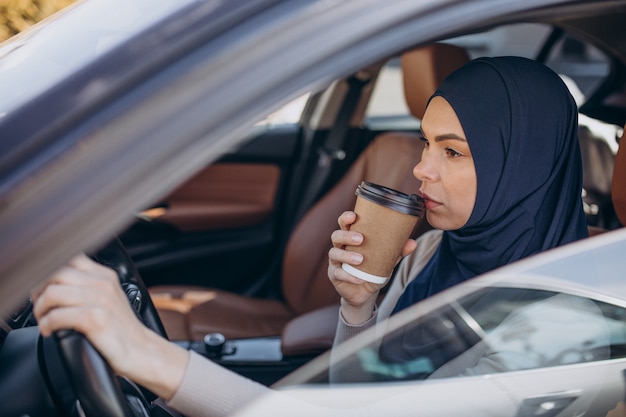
(363, 275)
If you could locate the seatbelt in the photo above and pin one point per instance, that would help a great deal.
(332, 150)
(328, 153)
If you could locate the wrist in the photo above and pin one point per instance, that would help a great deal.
(357, 314)
(161, 365)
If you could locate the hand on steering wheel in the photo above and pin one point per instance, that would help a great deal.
(86, 298)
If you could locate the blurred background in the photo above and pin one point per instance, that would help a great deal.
(17, 15)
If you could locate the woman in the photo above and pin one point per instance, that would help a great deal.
(501, 176)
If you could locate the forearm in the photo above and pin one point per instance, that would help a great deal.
(158, 366)
(347, 371)
(357, 314)
(208, 389)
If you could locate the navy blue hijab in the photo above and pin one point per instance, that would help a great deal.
(521, 123)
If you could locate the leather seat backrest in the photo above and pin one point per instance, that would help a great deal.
(388, 160)
(618, 186)
(424, 68)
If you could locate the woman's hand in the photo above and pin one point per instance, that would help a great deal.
(86, 297)
(358, 297)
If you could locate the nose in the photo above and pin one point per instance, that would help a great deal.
(425, 169)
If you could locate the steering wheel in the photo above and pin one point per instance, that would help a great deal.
(95, 384)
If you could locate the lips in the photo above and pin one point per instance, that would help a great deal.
(429, 203)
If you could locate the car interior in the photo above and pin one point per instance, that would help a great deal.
(305, 285)
(235, 259)
(258, 207)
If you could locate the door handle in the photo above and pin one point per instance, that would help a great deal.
(548, 405)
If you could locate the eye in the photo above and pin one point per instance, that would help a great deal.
(452, 153)
(423, 139)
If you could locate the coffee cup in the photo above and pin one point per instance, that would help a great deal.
(385, 217)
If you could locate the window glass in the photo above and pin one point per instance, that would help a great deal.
(387, 100)
(582, 65)
(491, 331)
(387, 108)
(524, 39)
(290, 113)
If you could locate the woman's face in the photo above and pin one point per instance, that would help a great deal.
(447, 168)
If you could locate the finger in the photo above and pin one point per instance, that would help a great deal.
(84, 263)
(61, 319)
(64, 275)
(73, 288)
(341, 238)
(346, 219)
(37, 290)
(62, 296)
(409, 247)
(337, 275)
(86, 321)
(337, 256)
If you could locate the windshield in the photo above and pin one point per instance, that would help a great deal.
(37, 59)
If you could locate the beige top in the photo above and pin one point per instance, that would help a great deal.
(207, 389)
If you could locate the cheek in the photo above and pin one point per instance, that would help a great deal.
(467, 195)
(462, 191)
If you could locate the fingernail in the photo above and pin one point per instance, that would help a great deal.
(356, 258)
(357, 238)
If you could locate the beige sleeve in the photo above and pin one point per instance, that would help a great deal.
(208, 389)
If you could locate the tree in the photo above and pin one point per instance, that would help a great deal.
(17, 15)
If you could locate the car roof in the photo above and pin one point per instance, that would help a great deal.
(90, 53)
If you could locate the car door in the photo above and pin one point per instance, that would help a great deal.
(498, 351)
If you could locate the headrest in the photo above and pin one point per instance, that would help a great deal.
(424, 68)
(618, 184)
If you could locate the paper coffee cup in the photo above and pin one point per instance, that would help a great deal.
(386, 218)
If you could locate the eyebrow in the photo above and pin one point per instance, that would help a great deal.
(447, 136)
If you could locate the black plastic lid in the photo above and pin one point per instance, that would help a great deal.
(412, 204)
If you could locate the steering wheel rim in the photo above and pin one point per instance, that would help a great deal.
(95, 384)
(114, 255)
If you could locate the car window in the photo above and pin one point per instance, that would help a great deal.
(491, 331)
(581, 65)
(290, 113)
(387, 108)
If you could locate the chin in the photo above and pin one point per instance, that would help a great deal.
(442, 222)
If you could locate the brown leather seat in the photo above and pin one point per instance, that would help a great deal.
(618, 182)
(189, 313)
